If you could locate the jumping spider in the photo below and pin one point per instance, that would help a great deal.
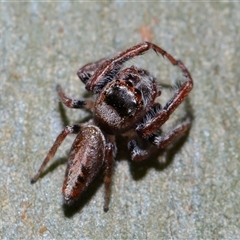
(124, 105)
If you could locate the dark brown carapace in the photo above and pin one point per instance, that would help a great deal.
(124, 104)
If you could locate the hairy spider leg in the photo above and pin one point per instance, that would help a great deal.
(146, 129)
(95, 81)
(167, 138)
(85, 72)
(74, 129)
(74, 103)
(138, 154)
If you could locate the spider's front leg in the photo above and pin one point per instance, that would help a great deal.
(152, 123)
(111, 66)
(85, 72)
(148, 127)
(157, 116)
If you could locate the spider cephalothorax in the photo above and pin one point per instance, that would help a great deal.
(124, 102)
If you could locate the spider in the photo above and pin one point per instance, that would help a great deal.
(124, 105)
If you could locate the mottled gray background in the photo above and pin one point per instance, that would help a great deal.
(197, 196)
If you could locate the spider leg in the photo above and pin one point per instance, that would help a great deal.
(169, 137)
(138, 154)
(95, 81)
(109, 159)
(67, 130)
(84, 73)
(149, 127)
(73, 103)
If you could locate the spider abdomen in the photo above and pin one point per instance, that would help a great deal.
(85, 160)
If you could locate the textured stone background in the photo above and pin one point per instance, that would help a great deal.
(196, 196)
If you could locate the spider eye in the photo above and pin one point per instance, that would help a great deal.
(122, 100)
(129, 83)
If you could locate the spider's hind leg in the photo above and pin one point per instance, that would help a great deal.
(74, 129)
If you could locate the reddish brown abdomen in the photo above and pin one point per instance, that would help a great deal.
(85, 160)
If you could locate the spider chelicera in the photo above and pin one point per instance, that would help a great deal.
(124, 105)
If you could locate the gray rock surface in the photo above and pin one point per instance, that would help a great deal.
(43, 44)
